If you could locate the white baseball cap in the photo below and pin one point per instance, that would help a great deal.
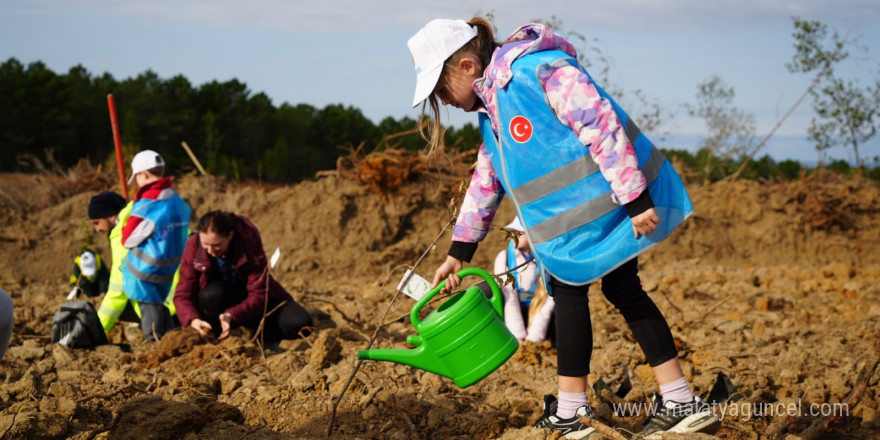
(431, 46)
(143, 161)
(87, 264)
(515, 225)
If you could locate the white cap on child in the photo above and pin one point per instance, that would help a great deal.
(515, 225)
(143, 161)
(431, 46)
(88, 265)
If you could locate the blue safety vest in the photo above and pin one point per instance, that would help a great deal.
(578, 233)
(149, 268)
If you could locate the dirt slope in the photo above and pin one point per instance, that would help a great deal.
(774, 285)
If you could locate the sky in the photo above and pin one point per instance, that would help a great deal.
(353, 52)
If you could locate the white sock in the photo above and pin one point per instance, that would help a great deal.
(569, 403)
(677, 391)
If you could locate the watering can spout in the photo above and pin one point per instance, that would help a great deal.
(419, 357)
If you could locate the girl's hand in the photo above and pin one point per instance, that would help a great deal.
(448, 268)
(201, 326)
(645, 223)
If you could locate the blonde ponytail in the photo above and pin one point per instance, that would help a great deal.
(483, 46)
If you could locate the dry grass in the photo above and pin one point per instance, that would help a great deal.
(49, 184)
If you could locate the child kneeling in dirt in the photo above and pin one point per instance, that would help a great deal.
(525, 297)
(90, 274)
(223, 283)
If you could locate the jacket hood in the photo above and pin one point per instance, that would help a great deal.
(529, 38)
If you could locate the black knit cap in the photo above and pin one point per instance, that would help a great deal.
(105, 204)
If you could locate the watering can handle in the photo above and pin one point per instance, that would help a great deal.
(497, 300)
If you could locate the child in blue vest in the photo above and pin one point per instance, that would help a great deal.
(591, 191)
(156, 234)
(525, 298)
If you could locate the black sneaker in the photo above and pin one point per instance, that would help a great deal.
(694, 416)
(570, 428)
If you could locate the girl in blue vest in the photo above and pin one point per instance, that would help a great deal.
(590, 189)
(528, 310)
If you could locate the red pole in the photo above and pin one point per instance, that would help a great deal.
(120, 164)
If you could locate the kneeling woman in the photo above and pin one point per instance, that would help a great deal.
(223, 282)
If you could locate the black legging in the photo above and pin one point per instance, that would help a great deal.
(285, 323)
(574, 331)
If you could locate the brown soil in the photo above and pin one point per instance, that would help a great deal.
(776, 285)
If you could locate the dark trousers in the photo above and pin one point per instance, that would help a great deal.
(622, 287)
(284, 323)
(155, 320)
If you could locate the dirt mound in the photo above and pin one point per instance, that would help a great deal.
(774, 285)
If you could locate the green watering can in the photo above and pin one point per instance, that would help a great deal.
(464, 339)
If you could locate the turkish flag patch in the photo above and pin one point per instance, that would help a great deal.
(520, 129)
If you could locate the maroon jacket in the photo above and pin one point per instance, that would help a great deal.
(247, 255)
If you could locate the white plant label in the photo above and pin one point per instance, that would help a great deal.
(275, 257)
(416, 287)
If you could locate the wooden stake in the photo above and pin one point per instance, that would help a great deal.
(194, 159)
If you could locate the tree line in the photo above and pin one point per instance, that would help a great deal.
(241, 135)
(233, 132)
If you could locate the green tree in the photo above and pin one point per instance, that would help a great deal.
(817, 51)
(812, 55)
(337, 127)
(790, 169)
(847, 115)
(730, 129)
(232, 131)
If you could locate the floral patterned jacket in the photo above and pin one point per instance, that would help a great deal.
(577, 104)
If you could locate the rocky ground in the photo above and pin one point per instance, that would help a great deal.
(772, 285)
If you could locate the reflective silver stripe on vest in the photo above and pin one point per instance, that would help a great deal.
(567, 175)
(115, 287)
(110, 313)
(555, 180)
(632, 131)
(157, 279)
(155, 262)
(591, 210)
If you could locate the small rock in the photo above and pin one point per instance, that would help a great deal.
(62, 355)
(645, 374)
(155, 418)
(370, 413)
(228, 383)
(306, 378)
(869, 417)
(435, 418)
(836, 386)
(325, 350)
(64, 406)
(788, 376)
(112, 376)
(25, 353)
(728, 327)
(35, 425)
